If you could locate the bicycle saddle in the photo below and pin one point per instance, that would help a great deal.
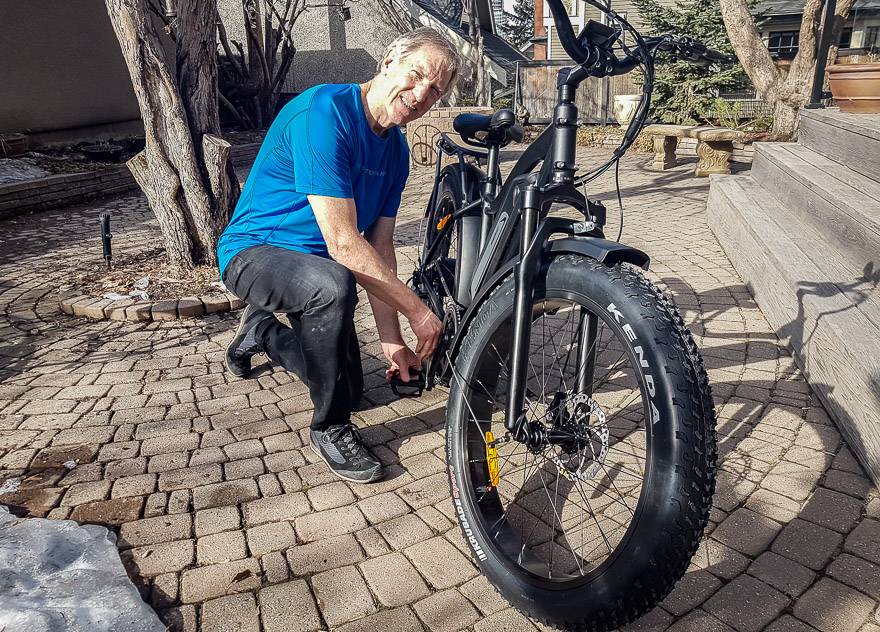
(483, 130)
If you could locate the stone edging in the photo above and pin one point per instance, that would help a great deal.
(18, 198)
(77, 304)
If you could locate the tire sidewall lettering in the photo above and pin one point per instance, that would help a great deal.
(647, 372)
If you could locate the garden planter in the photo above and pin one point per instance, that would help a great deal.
(102, 152)
(12, 145)
(625, 106)
(856, 87)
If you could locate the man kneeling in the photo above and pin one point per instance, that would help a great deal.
(333, 166)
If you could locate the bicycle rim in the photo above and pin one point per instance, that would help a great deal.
(561, 513)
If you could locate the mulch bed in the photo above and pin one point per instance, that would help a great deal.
(165, 281)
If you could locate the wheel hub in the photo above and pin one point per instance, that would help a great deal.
(579, 437)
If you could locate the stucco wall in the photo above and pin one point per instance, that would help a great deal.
(330, 50)
(61, 67)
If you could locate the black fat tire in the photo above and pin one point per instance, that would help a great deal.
(677, 492)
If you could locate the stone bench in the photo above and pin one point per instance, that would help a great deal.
(714, 146)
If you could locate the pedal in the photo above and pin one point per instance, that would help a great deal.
(414, 388)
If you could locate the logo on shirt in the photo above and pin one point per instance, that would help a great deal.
(373, 172)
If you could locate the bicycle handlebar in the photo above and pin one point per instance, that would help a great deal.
(567, 38)
(593, 47)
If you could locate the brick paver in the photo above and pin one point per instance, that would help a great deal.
(227, 520)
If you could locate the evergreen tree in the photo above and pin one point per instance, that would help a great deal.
(519, 27)
(684, 93)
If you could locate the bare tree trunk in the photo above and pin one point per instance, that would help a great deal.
(477, 54)
(393, 16)
(785, 92)
(184, 169)
(484, 87)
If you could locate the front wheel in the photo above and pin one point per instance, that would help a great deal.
(593, 526)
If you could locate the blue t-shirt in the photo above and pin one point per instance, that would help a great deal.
(319, 144)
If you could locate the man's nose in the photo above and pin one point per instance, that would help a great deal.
(420, 92)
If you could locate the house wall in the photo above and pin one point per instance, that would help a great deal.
(581, 13)
(859, 22)
(61, 68)
(330, 50)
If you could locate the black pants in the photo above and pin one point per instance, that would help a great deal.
(321, 348)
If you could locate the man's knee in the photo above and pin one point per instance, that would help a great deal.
(338, 290)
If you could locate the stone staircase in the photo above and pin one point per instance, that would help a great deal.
(803, 232)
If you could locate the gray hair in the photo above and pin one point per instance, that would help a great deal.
(425, 37)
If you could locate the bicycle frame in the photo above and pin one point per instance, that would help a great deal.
(518, 208)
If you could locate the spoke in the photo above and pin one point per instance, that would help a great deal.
(556, 352)
(600, 490)
(556, 516)
(464, 392)
(632, 511)
(593, 514)
(532, 405)
(624, 470)
(537, 518)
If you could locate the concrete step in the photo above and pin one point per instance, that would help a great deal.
(827, 327)
(852, 140)
(842, 204)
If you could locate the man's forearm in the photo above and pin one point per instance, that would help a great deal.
(376, 277)
(385, 315)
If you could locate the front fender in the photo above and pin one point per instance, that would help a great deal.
(602, 250)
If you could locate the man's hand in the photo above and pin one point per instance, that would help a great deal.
(427, 328)
(401, 360)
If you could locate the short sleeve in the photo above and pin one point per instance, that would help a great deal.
(392, 202)
(320, 143)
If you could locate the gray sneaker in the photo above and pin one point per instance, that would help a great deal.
(343, 451)
(244, 344)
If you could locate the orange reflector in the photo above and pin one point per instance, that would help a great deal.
(492, 459)
(443, 221)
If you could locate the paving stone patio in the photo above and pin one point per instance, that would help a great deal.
(227, 522)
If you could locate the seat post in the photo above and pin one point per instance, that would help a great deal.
(490, 190)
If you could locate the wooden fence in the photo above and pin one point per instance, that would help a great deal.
(536, 92)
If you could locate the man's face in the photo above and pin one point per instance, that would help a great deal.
(410, 86)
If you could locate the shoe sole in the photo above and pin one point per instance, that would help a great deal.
(377, 476)
(241, 322)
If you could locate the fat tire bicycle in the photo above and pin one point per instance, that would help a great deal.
(580, 431)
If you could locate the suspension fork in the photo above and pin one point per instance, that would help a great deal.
(525, 273)
(586, 362)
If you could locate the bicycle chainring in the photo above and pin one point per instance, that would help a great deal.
(438, 365)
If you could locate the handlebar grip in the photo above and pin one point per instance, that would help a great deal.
(566, 33)
(717, 57)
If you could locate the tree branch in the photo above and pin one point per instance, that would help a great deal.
(749, 47)
(238, 63)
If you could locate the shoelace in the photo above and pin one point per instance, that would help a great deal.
(350, 435)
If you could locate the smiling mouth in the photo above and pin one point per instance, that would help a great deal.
(411, 107)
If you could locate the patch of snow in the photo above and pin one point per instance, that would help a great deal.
(10, 485)
(16, 170)
(58, 576)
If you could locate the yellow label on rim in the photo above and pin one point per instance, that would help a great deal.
(492, 459)
(443, 221)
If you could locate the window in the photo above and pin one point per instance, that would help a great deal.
(845, 38)
(783, 43)
(872, 38)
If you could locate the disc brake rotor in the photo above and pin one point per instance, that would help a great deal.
(584, 455)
